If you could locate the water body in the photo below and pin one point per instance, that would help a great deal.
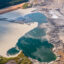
(33, 44)
(33, 17)
(7, 3)
(36, 17)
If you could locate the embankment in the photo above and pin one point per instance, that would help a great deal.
(11, 8)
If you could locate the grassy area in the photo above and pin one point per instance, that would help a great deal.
(25, 5)
(20, 59)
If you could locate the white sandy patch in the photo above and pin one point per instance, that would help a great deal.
(53, 15)
(10, 33)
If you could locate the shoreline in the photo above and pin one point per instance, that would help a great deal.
(51, 33)
(13, 33)
(54, 35)
(11, 8)
(13, 15)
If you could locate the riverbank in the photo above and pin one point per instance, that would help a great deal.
(11, 8)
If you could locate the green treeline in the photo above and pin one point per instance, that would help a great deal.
(7, 3)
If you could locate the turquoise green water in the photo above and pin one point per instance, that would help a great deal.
(12, 51)
(36, 33)
(36, 49)
(33, 44)
(36, 17)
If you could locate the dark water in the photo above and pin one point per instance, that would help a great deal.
(33, 44)
(12, 51)
(7, 3)
(36, 49)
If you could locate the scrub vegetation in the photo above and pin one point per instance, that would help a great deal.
(20, 59)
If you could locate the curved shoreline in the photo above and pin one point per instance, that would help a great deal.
(13, 32)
